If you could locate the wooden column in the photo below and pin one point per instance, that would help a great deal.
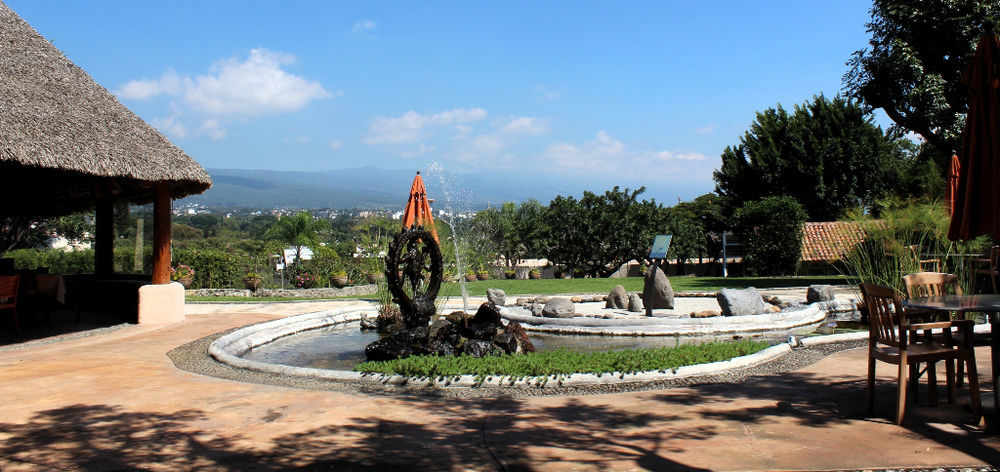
(161, 234)
(104, 237)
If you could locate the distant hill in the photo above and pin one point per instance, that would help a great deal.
(364, 188)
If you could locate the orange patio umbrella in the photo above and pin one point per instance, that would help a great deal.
(976, 209)
(952, 188)
(418, 208)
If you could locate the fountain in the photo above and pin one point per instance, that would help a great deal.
(413, 275)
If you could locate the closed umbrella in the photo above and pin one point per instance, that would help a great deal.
(418, 208)
(977, 199)
(952, 188)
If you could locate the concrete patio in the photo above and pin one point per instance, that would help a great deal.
(117, 402)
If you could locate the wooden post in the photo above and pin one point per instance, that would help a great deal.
(161, 234)
(137, 263)
(104, 237)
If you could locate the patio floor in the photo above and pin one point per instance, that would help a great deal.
(115, 401)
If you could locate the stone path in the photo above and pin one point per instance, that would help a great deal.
(116, 402)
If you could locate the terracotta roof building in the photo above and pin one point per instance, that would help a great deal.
(824, 243)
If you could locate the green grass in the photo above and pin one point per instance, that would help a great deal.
(563, 362)
(559, 286)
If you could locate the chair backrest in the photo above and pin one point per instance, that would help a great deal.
(929, 284)
(8, 288)
(995, 257)
(883, 306)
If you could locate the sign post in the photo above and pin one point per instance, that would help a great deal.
(661, 244)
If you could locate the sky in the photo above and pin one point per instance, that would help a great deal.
(581, 94)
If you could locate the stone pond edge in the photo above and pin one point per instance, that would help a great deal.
(229, 348)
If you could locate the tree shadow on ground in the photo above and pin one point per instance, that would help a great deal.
(821, 401)
(456, 437)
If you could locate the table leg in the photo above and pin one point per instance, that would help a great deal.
(995, 359)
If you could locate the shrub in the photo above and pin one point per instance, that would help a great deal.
(57, 261)
(213, 268)
(771, 232)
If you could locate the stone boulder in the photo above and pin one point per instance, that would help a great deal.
(523, 343)
(496, 296)
(480, 348)
(617, 298)
(635, 303)
(656, 290)
(558, 307)
(819, 293)
(736, 302)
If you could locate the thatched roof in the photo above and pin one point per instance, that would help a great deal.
(65, 141)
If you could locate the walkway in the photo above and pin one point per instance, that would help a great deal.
(115, 402)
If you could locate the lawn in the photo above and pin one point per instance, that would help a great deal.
(561, 286)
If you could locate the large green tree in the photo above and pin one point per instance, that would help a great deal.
(827, 154)
(912, 69)
(600, 232)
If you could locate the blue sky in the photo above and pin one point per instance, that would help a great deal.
(583, 94)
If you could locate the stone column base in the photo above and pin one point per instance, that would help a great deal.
(160, 304)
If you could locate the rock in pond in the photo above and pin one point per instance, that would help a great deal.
(738, 302)
(496, 296)
(558, 307)
(617, 298)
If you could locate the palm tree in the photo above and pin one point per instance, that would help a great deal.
(298, 231)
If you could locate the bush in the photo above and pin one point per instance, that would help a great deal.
(57, 261)
(771, 232)
(213, 268)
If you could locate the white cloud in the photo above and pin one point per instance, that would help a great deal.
(525, 125)
(605, 154)
(363, 26)
(707, 129)
(170, 126)
(254, 86)
(212, 129)
(413, 126)
(334, 144)
(420, 151)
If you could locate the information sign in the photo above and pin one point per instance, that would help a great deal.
(660, 246)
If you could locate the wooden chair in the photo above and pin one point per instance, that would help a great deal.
(8, 296)
(930, 284)
(992, 268)
(935, 264)
(890, 342)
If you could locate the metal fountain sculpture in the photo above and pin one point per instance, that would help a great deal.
(414, 271)
(414, 261)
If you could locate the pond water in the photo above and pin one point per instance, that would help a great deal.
(341, 346)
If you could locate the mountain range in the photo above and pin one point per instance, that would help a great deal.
(367, 188)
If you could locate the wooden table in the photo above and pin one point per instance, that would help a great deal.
(989, 304)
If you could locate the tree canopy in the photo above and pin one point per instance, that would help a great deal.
(827, 154)
(912, 69)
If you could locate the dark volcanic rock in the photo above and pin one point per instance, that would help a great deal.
(480, 348)
(507, 342)
(523, 342)
(440, 348)
(388, 348)
(487, 315)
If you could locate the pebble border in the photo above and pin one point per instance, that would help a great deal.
(229, 348)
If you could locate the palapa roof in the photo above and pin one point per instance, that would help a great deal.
(830, 241)
(66, 141)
